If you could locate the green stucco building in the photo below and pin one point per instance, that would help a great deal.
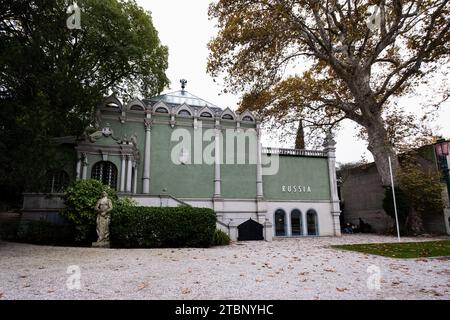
(180, 149)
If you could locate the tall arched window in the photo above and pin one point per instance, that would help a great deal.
(296, 222)
(280, 223)
(105, 172)
(311, 219)
(57, 181)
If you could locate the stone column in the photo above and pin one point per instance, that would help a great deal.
(79, 161)
(135, 178)
(146, 175)
(122, 174)
(129, 173)
(330, 149)
(85, 164)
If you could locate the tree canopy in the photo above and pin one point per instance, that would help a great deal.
(326, 61)
(52, 78)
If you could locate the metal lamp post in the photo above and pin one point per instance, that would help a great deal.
(441, 148)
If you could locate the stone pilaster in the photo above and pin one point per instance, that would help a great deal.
(330, 148)
(146, 174)
(259, 178)
(217, 161)
(304, 223)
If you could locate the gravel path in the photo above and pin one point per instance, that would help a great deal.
(304, 268)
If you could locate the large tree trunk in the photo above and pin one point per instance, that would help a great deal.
(381, 149)
(414, 222)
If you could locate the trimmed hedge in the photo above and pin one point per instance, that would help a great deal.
(154, 227)
(45, 233)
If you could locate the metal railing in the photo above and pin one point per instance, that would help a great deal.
(295, 152)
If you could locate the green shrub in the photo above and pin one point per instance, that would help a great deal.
(220, 238)
(44, 232)
(80, 199)
(154, 227)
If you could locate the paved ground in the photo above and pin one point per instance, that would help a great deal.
(303, 268)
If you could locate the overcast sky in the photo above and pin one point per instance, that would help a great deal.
(184, 27)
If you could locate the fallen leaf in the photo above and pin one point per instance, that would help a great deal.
(186, 291)
(341, 289)
(142, 286)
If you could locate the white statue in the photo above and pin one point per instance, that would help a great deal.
(103, 207)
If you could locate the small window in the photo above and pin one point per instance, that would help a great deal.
(105, 172)
(136, 108)
(247, 118)
(228, 117)
(162, 110)
(311, 220)
(184, 113)
(206, 115)
(57, 181)
(112, 105)
(280, 223)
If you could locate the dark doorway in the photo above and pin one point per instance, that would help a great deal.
(250, 230)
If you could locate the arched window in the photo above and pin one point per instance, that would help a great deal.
(161, 110)
(247, 118)
(311, 220)
(105, 172)
(206, 115)
(184, 113)
(296, 222)
(136, 108)
(57, 181)
(280, 223)
(227, 117)
(113, 105)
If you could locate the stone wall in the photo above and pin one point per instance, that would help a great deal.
(362, 197)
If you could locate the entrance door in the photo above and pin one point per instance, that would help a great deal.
(250, 230)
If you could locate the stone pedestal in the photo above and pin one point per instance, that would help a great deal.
(232, 226)
(268, 232)
(102, 244)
